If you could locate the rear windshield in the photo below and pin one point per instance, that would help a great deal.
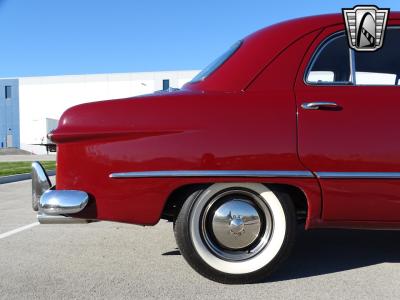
(216, 63)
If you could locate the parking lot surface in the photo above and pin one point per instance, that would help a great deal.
(107, 260)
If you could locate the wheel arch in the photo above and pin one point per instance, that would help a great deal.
(177, 198)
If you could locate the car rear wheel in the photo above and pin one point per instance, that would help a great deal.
(236, 232)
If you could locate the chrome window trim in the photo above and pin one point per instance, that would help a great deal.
(316, 54)
(235, 47)
(358, 175)
(352, 56)
(213, 173)
(321, 46)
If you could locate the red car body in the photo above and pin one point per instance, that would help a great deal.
(245, 116)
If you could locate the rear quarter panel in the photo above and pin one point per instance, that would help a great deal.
(244, 131)
(253, 129)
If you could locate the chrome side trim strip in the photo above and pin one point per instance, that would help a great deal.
(267, 174)
(227, 173)
(358, 175)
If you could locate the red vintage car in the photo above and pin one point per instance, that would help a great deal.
(289, 126)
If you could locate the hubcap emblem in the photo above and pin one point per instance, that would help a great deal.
(236, 226)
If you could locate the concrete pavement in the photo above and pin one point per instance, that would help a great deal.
(120, 261)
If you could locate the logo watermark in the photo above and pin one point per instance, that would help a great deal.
(366, 26)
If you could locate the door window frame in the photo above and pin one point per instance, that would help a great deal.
(321, 45)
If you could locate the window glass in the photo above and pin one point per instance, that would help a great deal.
(216, 63)
(7, 91)
(381, 67)
(371, 78)
(332, 63)
(165, 84)
(321, 76)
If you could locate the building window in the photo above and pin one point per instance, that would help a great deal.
(165, 84)
(7, 91)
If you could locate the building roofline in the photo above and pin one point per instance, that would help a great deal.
(148, 73)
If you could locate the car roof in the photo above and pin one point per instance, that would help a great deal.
(261, 47)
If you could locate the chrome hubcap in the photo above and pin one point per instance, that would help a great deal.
(236, 225)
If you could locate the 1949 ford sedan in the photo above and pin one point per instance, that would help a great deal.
(288, 126)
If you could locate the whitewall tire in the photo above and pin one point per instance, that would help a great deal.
(236, 232)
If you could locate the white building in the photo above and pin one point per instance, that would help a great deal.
(42, 100)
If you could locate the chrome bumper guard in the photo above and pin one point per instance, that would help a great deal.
(55, 204)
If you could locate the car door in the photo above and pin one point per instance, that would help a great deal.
(348, 106)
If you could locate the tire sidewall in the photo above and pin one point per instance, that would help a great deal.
(217, 269)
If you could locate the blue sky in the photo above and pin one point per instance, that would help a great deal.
(53, 37)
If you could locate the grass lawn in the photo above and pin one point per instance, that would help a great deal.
(20, 167)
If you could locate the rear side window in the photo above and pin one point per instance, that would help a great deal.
(216, 63)
(331, 64)
(335, 63)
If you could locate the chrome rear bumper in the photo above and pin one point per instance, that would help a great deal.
(58, 202)
(48, 219)
(54, 204)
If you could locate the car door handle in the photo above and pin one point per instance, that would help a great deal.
(319, 105)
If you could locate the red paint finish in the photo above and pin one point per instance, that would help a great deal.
(242, 117)
(207, 132)
(362, 200)
(362, 136)
(258, 50)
